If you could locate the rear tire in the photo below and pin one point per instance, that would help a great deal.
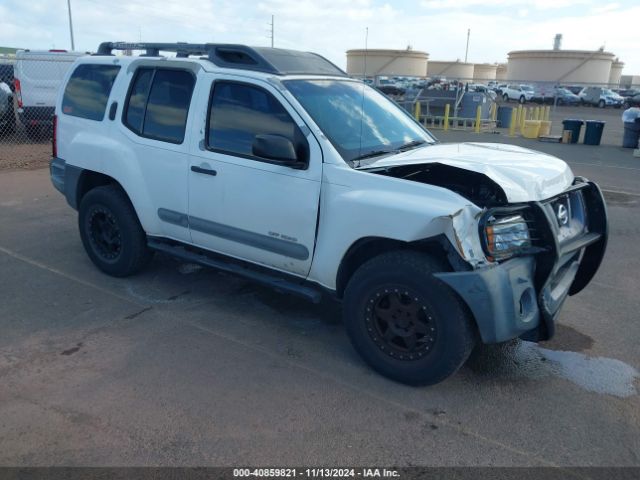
(505, 97)
(601, 104)
(522, 99)
(111, 233)
(405, 323)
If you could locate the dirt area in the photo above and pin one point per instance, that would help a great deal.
(24, 155)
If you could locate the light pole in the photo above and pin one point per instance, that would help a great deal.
(73, 47)
(466, 52)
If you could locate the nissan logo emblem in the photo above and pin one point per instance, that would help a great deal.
(563, 215)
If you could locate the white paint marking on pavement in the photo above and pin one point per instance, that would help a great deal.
(38, 264)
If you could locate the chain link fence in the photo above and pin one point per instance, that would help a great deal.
(28, 90)
(27, 105)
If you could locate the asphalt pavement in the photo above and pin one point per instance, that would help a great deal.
(184, 366)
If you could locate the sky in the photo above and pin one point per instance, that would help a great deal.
(331, 27)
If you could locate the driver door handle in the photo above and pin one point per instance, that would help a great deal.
(206, 171)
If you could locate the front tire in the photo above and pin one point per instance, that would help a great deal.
(505, 97)
(404, 322)
(522, 99)
(601, 104)
(111, 233)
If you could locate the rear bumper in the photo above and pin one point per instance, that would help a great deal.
(522, 297)
(65, 178)
(31, 116)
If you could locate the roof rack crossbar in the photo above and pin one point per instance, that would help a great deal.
(268, 60)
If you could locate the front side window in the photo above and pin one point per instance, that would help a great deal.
(238, 112)
(358, 120)
(88, 90)
(158, 103)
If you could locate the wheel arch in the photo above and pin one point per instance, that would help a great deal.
(366, 248)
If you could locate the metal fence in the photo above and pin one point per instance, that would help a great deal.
(27, 99)
(26, 111)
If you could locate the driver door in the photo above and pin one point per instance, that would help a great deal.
(242, 205)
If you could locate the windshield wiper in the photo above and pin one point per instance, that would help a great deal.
(374, 153)
(410, 145)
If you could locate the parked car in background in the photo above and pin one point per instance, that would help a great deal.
(7, 116)
(601, 97)
(575, 89)
(392, 90)
(499, 87)
(555, 95)
(520, 93)
(631, 102)
(38, 75)
(629, 92)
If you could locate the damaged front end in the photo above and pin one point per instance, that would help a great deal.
(523, 259)
(521, 296)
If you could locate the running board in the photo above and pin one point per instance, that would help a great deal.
(272, 281)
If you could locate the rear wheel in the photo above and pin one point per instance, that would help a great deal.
(404, 322)
(505, 97)
(522, 99)
(111, 233)
(601, 104)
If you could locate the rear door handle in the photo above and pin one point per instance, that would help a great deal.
(206, 171)
(112, 110)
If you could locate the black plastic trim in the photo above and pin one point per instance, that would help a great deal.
(276, 280)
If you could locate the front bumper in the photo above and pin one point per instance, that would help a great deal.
(522, 297)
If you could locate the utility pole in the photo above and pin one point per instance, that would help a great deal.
(466, 52)
(272, 29)
(73, 46)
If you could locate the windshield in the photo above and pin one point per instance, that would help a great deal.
(606, 91)
(359, 121)
(527, 88)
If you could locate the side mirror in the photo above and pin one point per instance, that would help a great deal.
(275, 147)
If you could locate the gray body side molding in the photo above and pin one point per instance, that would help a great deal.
(251, 239)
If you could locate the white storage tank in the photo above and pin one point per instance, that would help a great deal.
(484, 71)
(501, 72)
(450, 69)
(408, 63)
(567, 66)
(616, 72)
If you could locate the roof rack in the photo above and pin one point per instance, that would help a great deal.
(277, 61)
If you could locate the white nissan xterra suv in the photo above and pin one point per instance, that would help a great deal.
(275, 165)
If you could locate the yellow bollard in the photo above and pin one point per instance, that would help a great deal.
(478, 115)
(536, 113)
(446, 117)
(513, 123)
(494, 112)
(523, 118)
(416, 112)
(518, 114)
(547, 113)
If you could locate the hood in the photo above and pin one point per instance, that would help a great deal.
(524, 175)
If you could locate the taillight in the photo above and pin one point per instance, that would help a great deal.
(16, 83)
(54, 139)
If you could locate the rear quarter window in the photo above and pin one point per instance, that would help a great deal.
(88, 90)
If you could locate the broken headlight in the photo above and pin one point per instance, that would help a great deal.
(505, 236)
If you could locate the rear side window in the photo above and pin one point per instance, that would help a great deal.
(158, 104)
(88, 90)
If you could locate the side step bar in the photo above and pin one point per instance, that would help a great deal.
(272, 281)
